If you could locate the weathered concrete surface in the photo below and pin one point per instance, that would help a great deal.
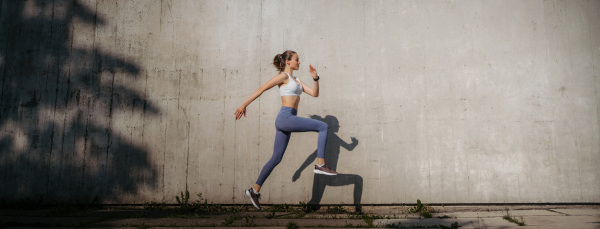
(382, 216)
(488, 217)
(449, 102)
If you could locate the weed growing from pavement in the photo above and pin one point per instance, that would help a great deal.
(423, 210)
(512, 219)
(335, 210)
(154, 206)
(349, 225)
(184, 203)
(280, 208)
(229, 220)
(270, 215)
(301, 212)
(201, 205)
(291, 225)
(368, 220)
(185, 199)
(399, 225)
(305, 207)
(297, 212)
(362, 215)
(249, 221)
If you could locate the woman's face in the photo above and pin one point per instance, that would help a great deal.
(294, 62)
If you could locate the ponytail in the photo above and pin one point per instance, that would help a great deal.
(280, 59)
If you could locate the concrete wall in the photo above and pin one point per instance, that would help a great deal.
(443, 101)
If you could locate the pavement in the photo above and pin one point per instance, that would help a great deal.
(285, 216)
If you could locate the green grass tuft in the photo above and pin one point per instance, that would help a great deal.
(423, 210)
(512, 219)
(291, 225)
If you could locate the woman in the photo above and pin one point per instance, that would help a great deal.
(287, 122)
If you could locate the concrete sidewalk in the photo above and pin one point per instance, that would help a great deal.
(536, 216)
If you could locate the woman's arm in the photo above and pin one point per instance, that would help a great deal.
(347, 146)
(315, 90)
(276, 80)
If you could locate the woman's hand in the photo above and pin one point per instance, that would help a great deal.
(276, 80)
(240, 111)
(313, 71)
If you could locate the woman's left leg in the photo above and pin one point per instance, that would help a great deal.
(299, 124)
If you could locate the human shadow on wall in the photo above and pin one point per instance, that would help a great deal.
(332, 153)
(58, 99)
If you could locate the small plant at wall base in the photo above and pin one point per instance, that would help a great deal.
(280, 208)
(153, 206)
(423, 210)
(184, 200)
(199, 206)
(304, 208)
(511, 219)
(335, 210)
(291, 225)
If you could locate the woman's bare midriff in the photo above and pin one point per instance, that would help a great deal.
(290, 101)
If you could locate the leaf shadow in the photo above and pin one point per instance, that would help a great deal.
(58, 139)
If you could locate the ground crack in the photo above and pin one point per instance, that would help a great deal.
(551, 210)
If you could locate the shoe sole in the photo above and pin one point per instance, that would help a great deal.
(251, 199)
(324, 173)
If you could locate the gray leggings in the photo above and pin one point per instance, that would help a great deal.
(286, 123)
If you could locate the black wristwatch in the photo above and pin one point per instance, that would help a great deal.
(317, 79)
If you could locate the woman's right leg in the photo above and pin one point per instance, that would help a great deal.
(281, 141)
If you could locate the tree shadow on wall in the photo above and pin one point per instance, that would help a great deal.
(332, 153)
(58, 142)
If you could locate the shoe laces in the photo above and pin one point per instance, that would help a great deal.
(257, 194)
(324, 166)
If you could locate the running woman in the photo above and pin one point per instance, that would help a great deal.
(287, 122)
